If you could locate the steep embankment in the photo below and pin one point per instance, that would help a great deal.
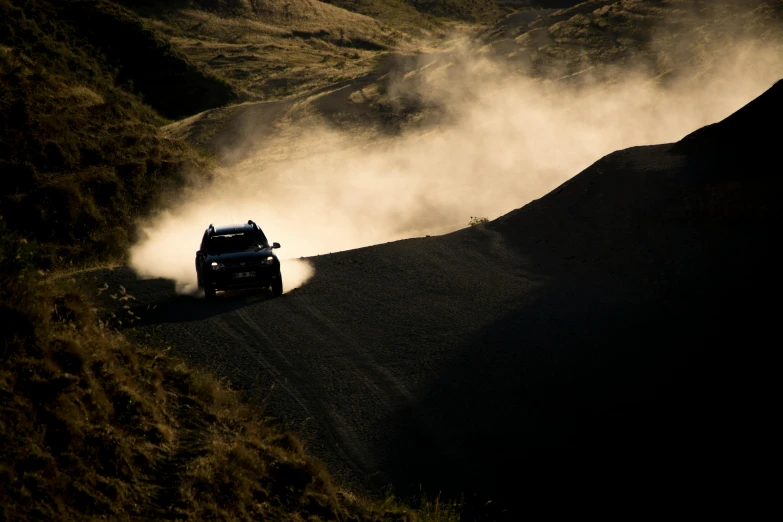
(604, 343)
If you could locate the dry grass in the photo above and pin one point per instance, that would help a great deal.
(400, 14)
(269, 62)
(72, 152)
(273, 49)
(277, 49)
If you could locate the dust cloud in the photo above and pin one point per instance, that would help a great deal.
(502, 140)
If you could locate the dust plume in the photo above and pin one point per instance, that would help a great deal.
(487, 140)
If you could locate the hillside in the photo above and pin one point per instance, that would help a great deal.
(637, 46)
(82, 154)
(604, 343)
(273, 49)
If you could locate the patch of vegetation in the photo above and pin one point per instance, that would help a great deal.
(94, 426)
(474, 220)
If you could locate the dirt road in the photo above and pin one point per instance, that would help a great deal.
(604, 343)
(342, 357)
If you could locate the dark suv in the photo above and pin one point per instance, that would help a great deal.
(237, 256)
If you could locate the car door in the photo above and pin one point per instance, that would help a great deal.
(201, 254)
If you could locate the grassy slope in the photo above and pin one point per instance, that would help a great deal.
(82, 157)
(273, 49)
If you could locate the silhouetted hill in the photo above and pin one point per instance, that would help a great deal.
(745, 141)
(644, 365)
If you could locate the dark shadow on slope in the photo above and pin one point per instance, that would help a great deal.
(146, 63)
(640, 376)
(192, 308)
(600, 401)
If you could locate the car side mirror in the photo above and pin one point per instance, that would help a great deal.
(275, 245)
(199, 252)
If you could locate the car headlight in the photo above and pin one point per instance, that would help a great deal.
(269, 260)
(218, 267)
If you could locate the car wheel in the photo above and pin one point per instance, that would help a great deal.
(209, 293)
(277, 285)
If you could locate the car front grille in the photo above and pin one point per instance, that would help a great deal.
(244, 264)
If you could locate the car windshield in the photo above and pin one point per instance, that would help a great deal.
(236, 242)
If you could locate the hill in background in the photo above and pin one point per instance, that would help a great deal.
(274, 49)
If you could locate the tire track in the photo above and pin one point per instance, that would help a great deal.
(382, 383)
(301, 387)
